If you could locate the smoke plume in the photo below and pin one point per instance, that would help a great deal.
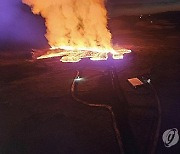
(77, 23)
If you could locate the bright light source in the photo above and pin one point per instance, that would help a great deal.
(149, 81)
(78, 79)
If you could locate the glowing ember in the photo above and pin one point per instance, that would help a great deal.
(76, 55)
(76, 29)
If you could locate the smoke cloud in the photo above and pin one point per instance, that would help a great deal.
(75, 23)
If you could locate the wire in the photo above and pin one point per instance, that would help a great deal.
(107, 107)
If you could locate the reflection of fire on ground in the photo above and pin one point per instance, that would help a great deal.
(76, 29)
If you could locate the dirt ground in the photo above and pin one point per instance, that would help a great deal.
(38, 114)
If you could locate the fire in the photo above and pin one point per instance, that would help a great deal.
(71, 54)
(76, 29)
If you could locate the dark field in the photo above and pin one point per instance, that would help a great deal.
(39, 115)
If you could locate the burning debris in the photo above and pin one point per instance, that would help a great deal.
(76, 29)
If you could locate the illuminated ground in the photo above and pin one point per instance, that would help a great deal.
(37, 112)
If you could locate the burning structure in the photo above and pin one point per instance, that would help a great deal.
(76, 29)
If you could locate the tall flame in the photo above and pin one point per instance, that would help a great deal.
(74, 25)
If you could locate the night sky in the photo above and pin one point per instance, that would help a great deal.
(18, 25)
(136, 7)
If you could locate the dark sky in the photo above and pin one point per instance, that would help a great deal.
(141, 1)
(19, 25)
(136, 7)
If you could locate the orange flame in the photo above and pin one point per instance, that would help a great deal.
(76, 29)
(70, 54)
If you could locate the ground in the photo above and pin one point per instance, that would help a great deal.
(39, 115)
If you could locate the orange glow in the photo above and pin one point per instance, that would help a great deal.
(70, 54)
(76, 29)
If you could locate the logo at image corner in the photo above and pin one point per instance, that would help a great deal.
(170, 137)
